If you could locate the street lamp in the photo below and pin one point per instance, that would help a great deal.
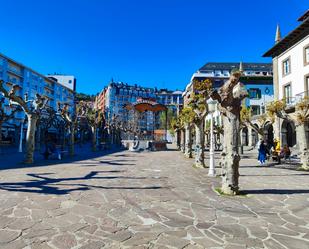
(212, 107)
(20, 149)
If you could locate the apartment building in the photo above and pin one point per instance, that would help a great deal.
(290, 56)
(32, 82)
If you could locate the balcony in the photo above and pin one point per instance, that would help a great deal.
(49, 87)
(15, 71)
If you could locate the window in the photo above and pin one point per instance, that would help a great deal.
(255, 109)
(307, 85)
(217, 72)
(306, 55)
(286, 66)
(70, 81)
(255, 93)
(287, 93)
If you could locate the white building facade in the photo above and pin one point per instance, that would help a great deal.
(291, 73)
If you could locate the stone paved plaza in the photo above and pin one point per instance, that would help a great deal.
(150, 200)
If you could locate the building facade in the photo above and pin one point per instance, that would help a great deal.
(257, 79)
(112, 99)
(117, 95)
(290, 57)
(31, 83)
(172, 99)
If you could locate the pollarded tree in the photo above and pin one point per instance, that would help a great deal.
(197, 103)
(44, 123)
(300, 118)
(230, 96)
(262, 120)
(95, 120)
(72, 120)
(175, 130)
(187, 117)
(33, 109)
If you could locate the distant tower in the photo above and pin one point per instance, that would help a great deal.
(278, 34)
(241, 68)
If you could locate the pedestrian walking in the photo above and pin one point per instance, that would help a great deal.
(262, 152)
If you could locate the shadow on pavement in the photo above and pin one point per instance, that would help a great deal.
(45, 185)
(301, 174)
(276, 191)
(14, 161)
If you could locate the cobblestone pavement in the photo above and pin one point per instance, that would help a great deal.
(150, 200)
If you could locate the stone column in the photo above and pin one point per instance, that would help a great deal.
(276, 95)
(188, 141)
(250, 142)
(182, 140)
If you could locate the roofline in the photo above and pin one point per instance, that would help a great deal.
(30, 69)
(279, 48)
(304, 16)
(236, 63)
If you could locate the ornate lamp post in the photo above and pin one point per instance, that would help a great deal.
(212, 107)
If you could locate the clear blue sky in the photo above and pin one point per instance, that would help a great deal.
(148, 42)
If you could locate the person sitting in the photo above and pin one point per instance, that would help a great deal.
(285, 152)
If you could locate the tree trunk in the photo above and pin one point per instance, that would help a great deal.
(178, 139)
(72, 140)
(303, 146)
(230, 155)
(182, 140)
(30, 137)
(188, 141)
(94, 138)
(199, 144)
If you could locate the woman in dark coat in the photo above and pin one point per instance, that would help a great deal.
(262, 153)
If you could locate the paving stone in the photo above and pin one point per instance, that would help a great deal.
(121, 235)
(21, 212)
(281, 230)
(64, 241)
(290, 242)
(206, 242)
(233, 230)
(21, 224)
(93, 245)
(204, 225)
(16, 244)
(257, 231)
(172, 241)
(176, 220)
(140, 239)
(38, 214)
(90, 229)
(194, 232)
(40, 245)
(272, 244)
(7, 236)
(4, 221)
